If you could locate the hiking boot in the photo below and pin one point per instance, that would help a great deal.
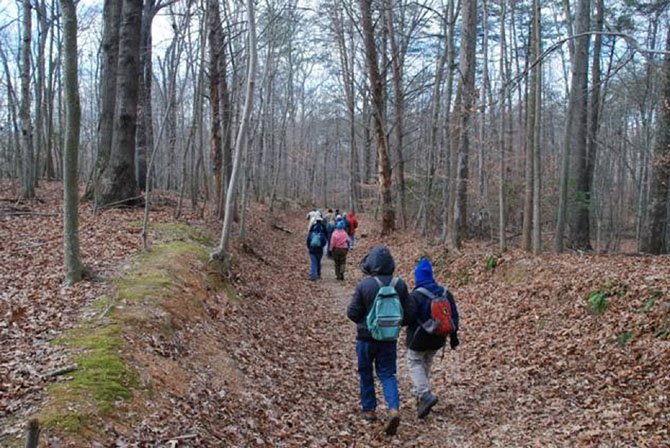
(392, 424)
(369, 416)
(426, 402)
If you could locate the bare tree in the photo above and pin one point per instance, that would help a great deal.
(111, 14)
(376, 86)
(465, 101)
(575, 137)
(27, 177)
(222, 253)
(118, 181)
(655, 236)
(74, 268)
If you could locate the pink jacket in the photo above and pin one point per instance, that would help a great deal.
(339, 239)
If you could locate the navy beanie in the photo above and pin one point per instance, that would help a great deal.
(423, 272)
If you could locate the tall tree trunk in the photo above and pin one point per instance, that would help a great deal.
(399, 103)
(654, 238)
(504, 77)
(529, 146)
(215, 48)
(222, 253)
(145, 130)
(579, 222)
(27, 181)
(42, 34)
(388, 213)
(464, 111)
(448, 147)
(594, 109)
(575, 137)
(108, 73)
(74, 268)
(118, 183)
(537, 124)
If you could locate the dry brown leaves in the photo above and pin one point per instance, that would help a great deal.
(276, 367)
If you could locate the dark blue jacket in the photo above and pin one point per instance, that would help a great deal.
(377, 263)
(419, 339)
(320, 230)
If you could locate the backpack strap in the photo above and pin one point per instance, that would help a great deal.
(379, 282)
(394, 282)
(426, 293)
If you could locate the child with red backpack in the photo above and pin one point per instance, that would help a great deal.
(436, 319)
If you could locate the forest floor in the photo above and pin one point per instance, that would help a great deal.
(266, 357)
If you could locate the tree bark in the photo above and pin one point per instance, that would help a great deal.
(504, 77)
(464, 111)
(222, 252)
(74, 268)
(579, 222)
(537, 135)
(215, 48)
(575, 137)
(376, 86)
(118, 181)
(27, 179)
(108, 72)
(399, 106)
(654, 238)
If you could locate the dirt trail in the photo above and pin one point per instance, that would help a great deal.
(312, 386)
(520, 378)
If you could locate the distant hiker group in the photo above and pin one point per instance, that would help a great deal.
(380, 305)
(332, 233)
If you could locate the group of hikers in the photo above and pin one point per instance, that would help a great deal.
(381, 304)
(332, 233)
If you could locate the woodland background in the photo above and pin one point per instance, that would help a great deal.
(522, 145)
(538, 120)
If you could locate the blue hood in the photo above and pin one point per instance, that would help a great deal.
(423, 277)
(378, 262)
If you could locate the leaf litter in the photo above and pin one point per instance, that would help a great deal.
(274, 364)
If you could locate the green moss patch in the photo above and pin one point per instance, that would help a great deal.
(101, 379)
(104, 380)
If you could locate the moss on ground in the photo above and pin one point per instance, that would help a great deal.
(103, 378)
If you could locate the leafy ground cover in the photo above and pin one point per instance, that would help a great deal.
(556, 350)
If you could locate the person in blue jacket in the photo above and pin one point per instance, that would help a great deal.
(316, 241)
(422, 345)
(378, 265)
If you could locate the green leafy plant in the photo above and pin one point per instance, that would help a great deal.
(491, 262)
(648, 305)
(598, 302)
(624, 338)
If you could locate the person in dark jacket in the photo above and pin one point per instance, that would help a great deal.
(316, 241)
(422, 345)
(378, 264)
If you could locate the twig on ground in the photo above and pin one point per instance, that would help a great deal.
(275, 226)
(61, 371)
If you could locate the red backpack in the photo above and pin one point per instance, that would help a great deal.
(442, 321)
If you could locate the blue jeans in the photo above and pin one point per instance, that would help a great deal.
(383, 356)
(315, 265)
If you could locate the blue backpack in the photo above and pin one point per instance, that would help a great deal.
(386, 313)
(315, 240)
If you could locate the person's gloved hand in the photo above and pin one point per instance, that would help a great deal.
(453, 341)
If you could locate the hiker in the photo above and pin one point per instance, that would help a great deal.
(316, 240)
(330, 228)
(353, 225)
(311, 218)
(339, 245)
(378, 265)
(425, 335)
